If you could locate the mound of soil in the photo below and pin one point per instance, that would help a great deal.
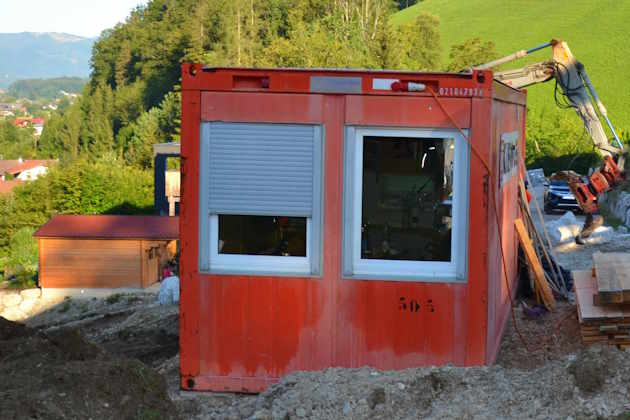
(9, 329)
(139, 338)
(592, 384)
(58, 374)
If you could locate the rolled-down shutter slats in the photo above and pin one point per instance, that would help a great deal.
(261, 169)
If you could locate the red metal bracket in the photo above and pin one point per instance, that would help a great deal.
(602, 180)
(612, 173)
(586, 199)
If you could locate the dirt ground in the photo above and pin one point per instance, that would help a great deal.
(531, 342)
(58, 374)
(118, 358)
(547, 374)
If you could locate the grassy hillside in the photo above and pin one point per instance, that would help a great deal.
(596, 32)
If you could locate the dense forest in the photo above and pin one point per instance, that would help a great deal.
(132, 99)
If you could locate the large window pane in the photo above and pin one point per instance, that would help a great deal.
(262, 235)
(407, 198)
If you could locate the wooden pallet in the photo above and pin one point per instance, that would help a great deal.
(609, 324)
(613, 277)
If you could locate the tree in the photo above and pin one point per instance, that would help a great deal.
(96, 135)
(128, 105)
(555, 141)
(158, 125)
(416, 45)
(146, 133)
(469, 53)
(349, 33)
(326, 43)
(16, 141)
(121, 66)
(60, 137)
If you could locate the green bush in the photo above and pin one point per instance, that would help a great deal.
(23, 250)
(16, 141)
(23, 279)
(557, 141)
(20, 262)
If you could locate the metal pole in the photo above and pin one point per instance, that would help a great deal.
(600, 105)
(540, 47)
(511, 57)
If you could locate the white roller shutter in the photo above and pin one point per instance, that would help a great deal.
(261, 169)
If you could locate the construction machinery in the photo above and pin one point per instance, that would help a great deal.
(573, 90)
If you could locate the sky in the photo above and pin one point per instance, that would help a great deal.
(87, 18)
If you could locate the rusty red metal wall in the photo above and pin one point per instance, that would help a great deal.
(241, 333)
(508, 116)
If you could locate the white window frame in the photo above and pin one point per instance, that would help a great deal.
(211, 261)
(376, 269)
(261, 264)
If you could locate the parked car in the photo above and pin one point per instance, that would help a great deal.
(558, 196)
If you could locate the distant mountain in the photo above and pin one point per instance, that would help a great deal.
(29, 55)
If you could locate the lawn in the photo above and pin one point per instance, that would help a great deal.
(594, 30)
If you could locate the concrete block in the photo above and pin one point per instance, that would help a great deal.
(623, 203)
(13, 313)
(31, 293)
(618, 204)
(28, 305)
(11, 299)
(101, 293)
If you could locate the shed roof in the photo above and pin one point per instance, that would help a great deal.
(110, 227)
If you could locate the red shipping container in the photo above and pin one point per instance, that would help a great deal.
(344, 218)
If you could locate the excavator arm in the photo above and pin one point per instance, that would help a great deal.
(575, 87)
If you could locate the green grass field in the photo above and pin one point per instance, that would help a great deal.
(596, 31)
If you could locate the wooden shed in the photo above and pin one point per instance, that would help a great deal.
(104, 251)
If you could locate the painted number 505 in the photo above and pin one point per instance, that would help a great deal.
(415, 305)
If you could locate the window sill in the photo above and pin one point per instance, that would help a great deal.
(410, 278)
(260, 273)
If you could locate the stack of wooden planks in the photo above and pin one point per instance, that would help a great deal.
(612, 271)
(603, 300)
